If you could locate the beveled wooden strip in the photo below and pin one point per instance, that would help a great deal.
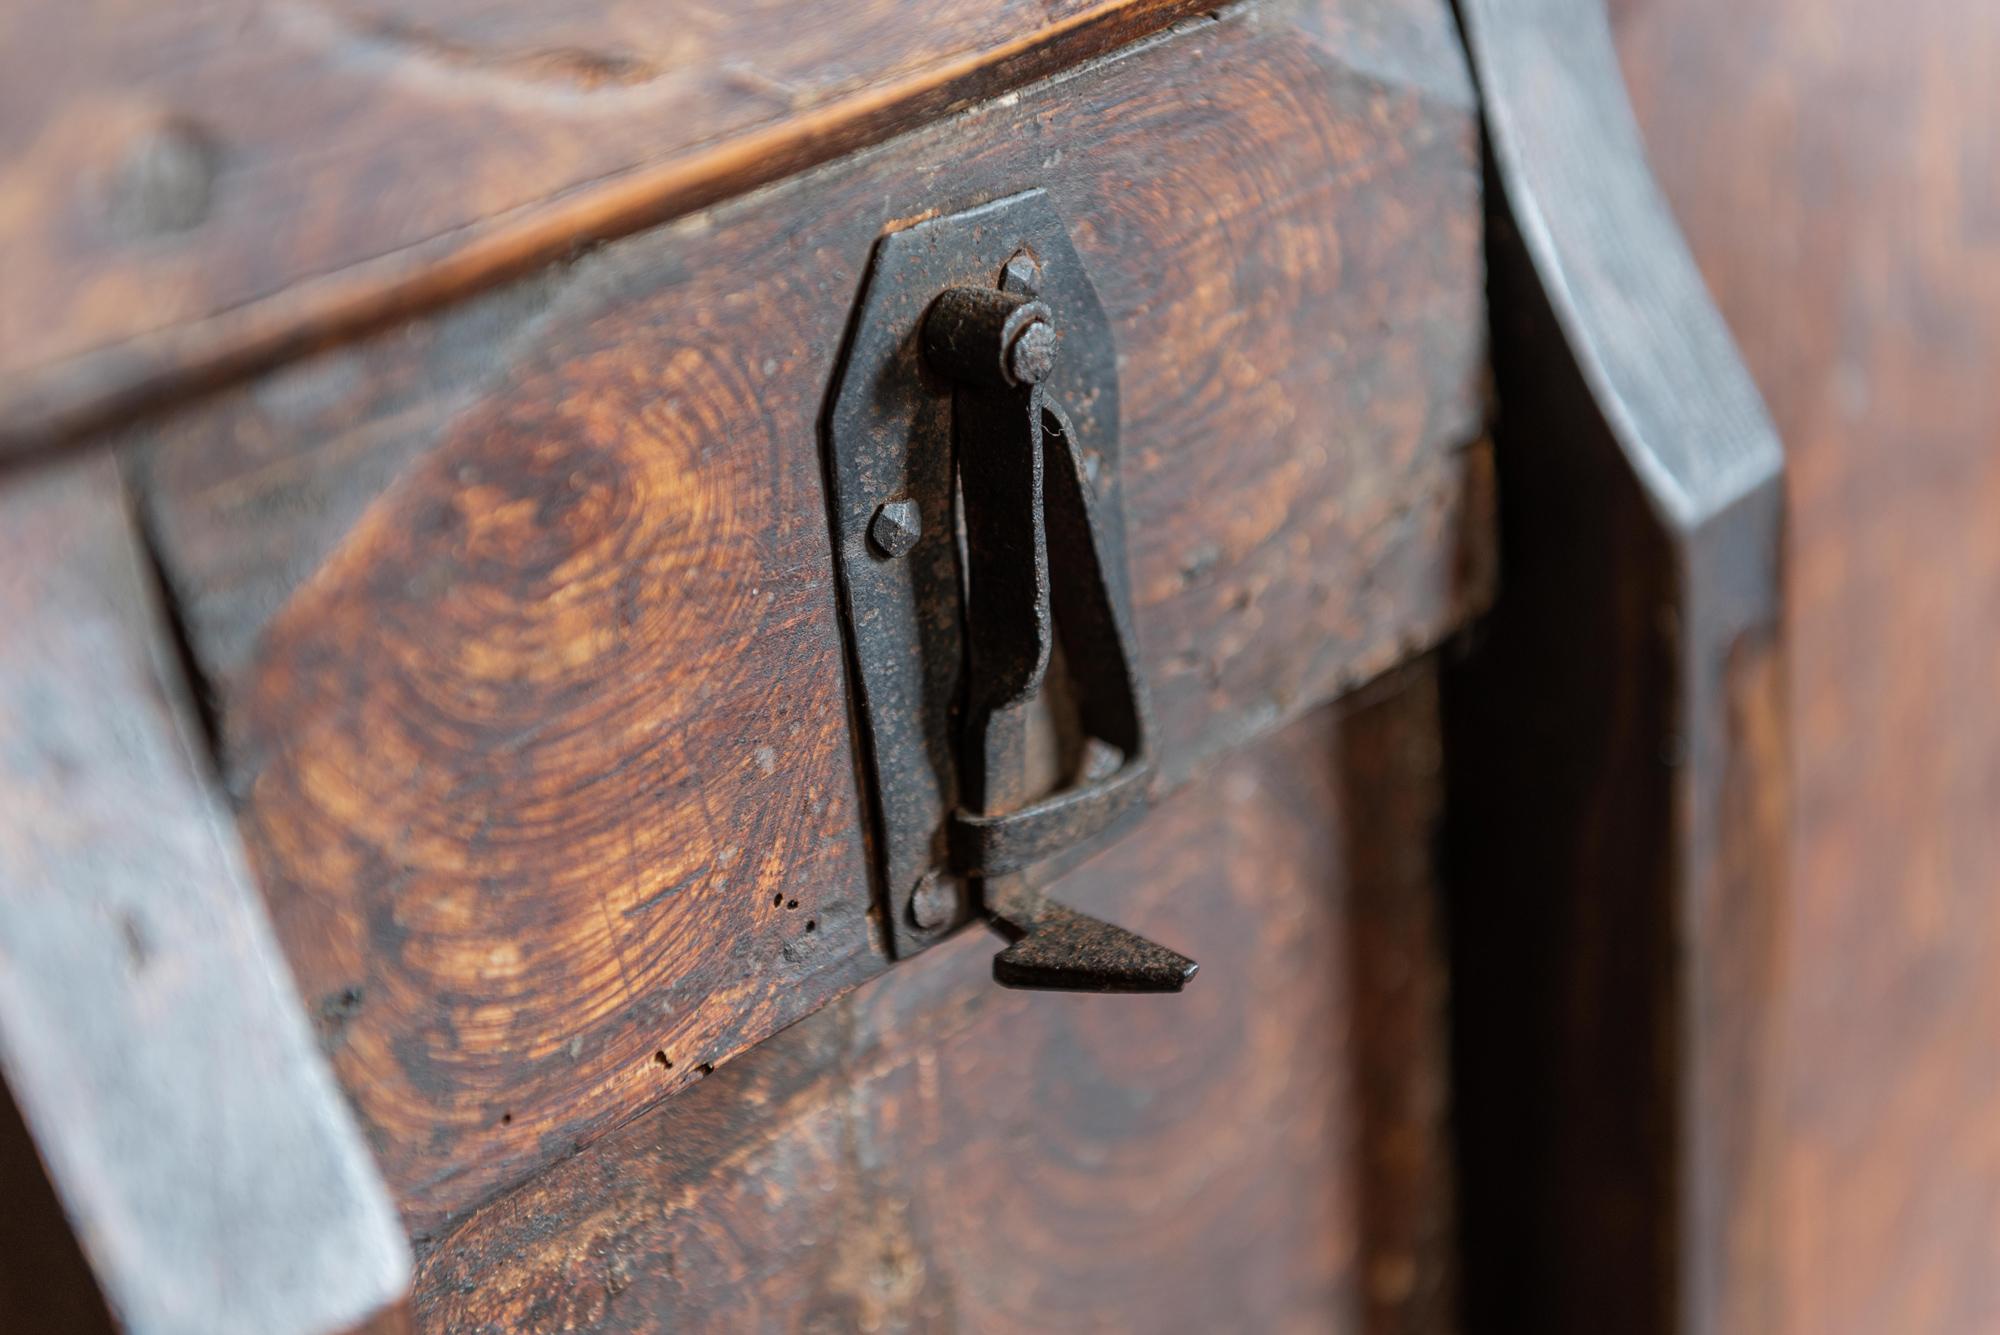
(1266, 1151)
(150, 1037)
(1618, 749)
(191, 193)
(520, 623)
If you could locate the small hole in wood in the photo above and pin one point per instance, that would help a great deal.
(506, 1119)
(811, 925)
(791, 903)
(666, 1063)
(778, 898)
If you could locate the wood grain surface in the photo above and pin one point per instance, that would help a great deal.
(1834, 167)
(150, 1040)
(518, 624)
(196, 189)
(1265, 1152)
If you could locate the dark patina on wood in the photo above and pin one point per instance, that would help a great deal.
(518, 625)
(227, 185)
(1266, 1152)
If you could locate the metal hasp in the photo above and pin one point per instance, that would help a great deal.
(972, 478)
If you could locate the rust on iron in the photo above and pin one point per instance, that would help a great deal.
(896, 527)
(888, 437)
(983, 336)
(1023, 274)
(1062, 950)
(947, 430)
(934, 903)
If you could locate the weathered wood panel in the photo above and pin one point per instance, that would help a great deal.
(1834, 166)
(193, 189)
(520, 623)
(1265, 1152)
(150, 1040)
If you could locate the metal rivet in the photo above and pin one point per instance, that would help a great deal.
(1022, 275)
(896, 527)
(1033, 354)
(932, 903)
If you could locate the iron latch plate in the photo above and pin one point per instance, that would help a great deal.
(888, 444)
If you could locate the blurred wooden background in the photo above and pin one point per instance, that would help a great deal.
(1836, 166)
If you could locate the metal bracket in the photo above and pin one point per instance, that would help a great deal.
(973, 486)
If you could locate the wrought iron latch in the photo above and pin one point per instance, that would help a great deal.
(985, 601)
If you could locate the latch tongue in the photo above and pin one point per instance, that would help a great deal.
(1067, 951)
(1027, 507)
